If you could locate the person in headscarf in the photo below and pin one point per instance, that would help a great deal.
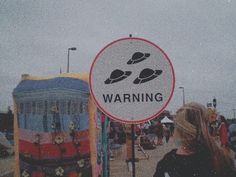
(223, 131)
(159, 133)
(197, 153)
(232, 139)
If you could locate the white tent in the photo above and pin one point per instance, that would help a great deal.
(166, 120)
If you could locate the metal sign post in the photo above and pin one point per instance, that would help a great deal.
(133, 150)
(133, 144)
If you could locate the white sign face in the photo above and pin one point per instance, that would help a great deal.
(132, 80)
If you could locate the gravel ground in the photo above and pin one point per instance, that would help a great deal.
(144, 168)
(7, 166)
(118, 167)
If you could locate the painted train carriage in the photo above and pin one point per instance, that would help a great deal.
(57, 128)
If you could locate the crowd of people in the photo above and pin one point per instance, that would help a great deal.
(148, 135)
(153, 134)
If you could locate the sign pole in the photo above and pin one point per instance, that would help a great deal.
(133, 143)
(133, 150)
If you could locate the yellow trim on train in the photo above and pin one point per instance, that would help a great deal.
(82, 76)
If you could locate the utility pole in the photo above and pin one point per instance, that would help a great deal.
(234, 112)
(183, 94)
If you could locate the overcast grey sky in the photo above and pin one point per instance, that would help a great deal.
(199, 37)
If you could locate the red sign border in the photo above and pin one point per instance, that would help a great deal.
(116, 118)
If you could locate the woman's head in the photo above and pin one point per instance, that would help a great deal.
(191, 131)
(222, 119)
(191, 125)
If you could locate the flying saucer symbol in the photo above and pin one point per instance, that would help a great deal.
(146, 75)
(138, 57)
(117, 75)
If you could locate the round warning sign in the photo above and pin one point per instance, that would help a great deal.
(132, 80)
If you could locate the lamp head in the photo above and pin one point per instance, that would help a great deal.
(72, 48)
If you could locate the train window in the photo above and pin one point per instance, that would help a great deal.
(21, 108)
(81, 107)
(45, 107)
(39, 107)
(74, 107)
(18, 108)
(28, 108)
(57, 105)
(63, 107)
(69, 107)
(51, 106)
(33, 107)
(77, 107)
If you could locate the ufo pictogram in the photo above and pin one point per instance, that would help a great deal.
(146, 75)
(117, 75)
(138, 57)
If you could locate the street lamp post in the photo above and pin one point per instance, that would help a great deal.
(183, 94)
(68, 58)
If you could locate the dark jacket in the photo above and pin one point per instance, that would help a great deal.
(194, 165)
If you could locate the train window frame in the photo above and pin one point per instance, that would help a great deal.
(33, 107)
(69, 107)
(81, 107)
(46, 107)
(28, 108)
(63, 106)
(51, 105)
(74, 107)
(39, 107)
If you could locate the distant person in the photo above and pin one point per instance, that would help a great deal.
(172, 129)
(223, 131)
(166, 133)
(121, 136)
(159, 133)
(146, 128)
(197, 154)
(232, 139)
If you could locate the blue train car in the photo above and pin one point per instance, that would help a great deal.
(58, 130)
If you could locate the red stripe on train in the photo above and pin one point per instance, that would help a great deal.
(42, 174)
(51, 151)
